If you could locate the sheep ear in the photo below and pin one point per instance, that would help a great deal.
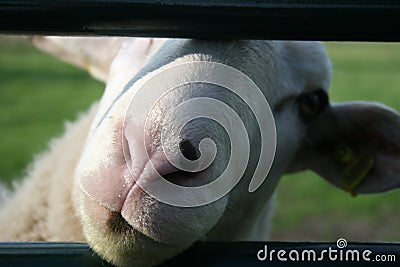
(94, 54)
(355, 146)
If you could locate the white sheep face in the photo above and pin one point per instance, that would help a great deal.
(352, 145)
(121, 221)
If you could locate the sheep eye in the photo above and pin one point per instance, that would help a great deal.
(311, 104)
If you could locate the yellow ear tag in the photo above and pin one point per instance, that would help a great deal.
(356, 166)
(87, 66)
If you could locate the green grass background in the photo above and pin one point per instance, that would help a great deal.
(38, 93)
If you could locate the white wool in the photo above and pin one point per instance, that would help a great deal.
(42, 207)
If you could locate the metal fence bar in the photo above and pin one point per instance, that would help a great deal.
(48, 254)
(351, 20)
(208, 254)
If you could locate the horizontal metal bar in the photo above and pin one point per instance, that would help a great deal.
(204, 254)
(352, 20)
(48, 254)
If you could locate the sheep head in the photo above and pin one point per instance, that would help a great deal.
(144, 139)
(132, 144)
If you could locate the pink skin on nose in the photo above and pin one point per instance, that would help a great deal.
(113, 181)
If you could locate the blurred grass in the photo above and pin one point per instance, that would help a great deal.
(38, 93)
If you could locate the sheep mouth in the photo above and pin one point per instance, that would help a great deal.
(116, 199)
(117, 181)
(162, 169)
(187, 179)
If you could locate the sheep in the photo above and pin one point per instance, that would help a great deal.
(83, 188)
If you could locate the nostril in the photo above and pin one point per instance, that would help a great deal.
(188, 150)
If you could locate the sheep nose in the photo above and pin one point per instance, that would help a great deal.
(188, 150)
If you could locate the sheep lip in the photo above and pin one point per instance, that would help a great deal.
(153, 169)
(108, 186)
(111, 185)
